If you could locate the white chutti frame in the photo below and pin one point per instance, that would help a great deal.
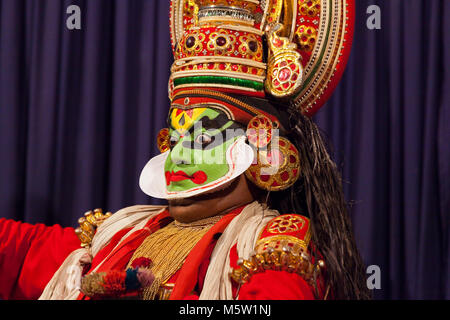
(152, 181)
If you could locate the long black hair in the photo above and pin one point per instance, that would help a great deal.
(318, 194)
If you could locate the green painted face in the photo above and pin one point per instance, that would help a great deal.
(199, 138)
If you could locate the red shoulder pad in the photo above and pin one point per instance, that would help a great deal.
(288, 230)
(281, 246)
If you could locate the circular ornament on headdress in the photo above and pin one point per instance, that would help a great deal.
(277, 168)
(285, 70)
(284, 77)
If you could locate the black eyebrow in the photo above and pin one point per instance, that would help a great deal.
(214, 123)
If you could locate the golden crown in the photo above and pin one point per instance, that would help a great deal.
(292, 50)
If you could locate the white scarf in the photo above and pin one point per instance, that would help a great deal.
(65, 283)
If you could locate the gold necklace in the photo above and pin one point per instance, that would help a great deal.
(168, 248)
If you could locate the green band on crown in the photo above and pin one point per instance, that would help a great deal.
(258, 86)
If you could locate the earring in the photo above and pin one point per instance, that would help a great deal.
(277, 162)
(259, 131)
(163, 140)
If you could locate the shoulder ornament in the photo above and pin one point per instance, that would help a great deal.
(281, 246)
(89, 224)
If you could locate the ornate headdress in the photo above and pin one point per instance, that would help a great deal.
(259, 61)
(292, 51)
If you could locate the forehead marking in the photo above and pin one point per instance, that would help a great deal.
(182, 120)
(210, 105)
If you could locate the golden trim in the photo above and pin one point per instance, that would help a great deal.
(337, 14)
(221, 95)
(165, 291)
(184, 62)
(214, 85)
(294, 223)
(278, 260)
(241, 28)
(225, 73)
(273, 16)
(227, 19)
(294, 7)
(267, 240)
(230, 61)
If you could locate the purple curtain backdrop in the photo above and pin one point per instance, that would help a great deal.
(80, 110)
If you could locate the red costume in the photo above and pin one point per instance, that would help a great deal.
(25, 270)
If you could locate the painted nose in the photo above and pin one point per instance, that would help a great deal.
(180, 155)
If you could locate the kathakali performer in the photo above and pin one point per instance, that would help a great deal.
(255, 203)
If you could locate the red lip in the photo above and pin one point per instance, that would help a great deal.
(198, 177)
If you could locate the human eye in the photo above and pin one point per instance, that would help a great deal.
(203, 139)
(173, 141)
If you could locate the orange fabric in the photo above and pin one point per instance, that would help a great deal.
(30, 255)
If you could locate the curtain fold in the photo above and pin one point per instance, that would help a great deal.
(80, 111)
(386, 123)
